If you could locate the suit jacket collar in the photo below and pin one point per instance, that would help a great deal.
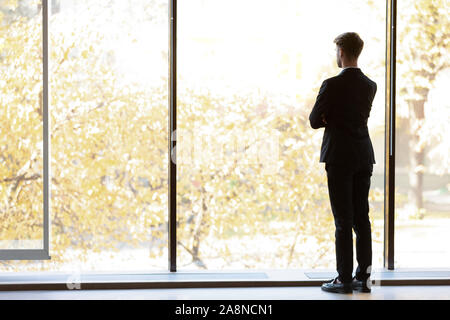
(349, 70)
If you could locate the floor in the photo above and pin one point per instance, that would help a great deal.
(269, 293)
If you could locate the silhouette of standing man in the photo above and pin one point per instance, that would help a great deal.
(342, 107)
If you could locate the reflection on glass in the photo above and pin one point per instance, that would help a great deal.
(21, 144)
(423, 113)
(251, 191)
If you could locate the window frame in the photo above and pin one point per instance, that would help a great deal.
(44, 253)
(390, 108)
(389, 175)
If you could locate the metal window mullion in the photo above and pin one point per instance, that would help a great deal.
(172, 135)
(46, 136)
(389, 178)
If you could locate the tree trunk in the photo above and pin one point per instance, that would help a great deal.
(416, 173)
(198, 232)
(417, 153)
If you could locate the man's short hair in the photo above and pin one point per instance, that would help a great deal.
(350, 43)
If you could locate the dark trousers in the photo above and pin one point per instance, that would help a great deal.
(348, 188)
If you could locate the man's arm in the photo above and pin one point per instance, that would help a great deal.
(320, 109)
(375, 90)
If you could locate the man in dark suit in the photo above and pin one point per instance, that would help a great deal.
(342, 107)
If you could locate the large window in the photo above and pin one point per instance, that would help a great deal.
(251, 190)
(108, 107)
(21, 126)
(423, 114)
(251, 193)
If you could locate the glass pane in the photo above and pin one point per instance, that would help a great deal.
(423, 114)
(109, 109)
(251, 190)
(21, 125)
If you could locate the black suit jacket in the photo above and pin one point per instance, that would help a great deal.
(345, 101)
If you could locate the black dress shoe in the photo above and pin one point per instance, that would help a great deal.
(360, 285)
(337, 287)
